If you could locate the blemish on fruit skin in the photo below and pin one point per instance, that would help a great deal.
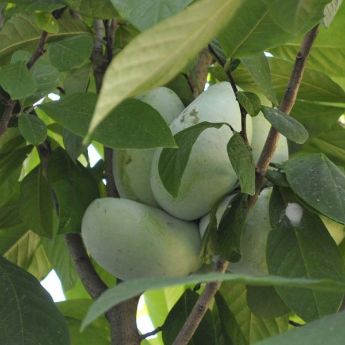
(191, 118)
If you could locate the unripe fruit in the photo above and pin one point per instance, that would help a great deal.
(261, 128)
(132, 167)
(132, 240)
(208, 174)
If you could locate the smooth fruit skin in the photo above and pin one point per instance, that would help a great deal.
(132, 167)
(132, 240)
(261, 128)
(209, 174)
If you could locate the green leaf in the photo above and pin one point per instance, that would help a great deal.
(173, 162)
(61, 261)
(32, 128)
(36, 205)
(318, 182)
(264, 302)
(330, 11)
(71, 52)
(17, 80)
(300, 246)
(21, 32)
(73, 144)
(249, 101)
(158, 54)
(144, 14)
(242, 161)
(39, 5)
(94, 8)
(328, 330)
(30, 314)
(120, 130)
(286, 125)
(129, 289)
(259, 69)
(74, 188)
(178, 316)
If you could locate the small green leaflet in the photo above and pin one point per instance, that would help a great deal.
(286, 125)
(133, 124)
(129, 289)
(45, 21)
(31, 316)
(17, 80)
(32, 129)
(242, 161)
(249, 101)
(259, 69)
(172, 162)
(318, 182)
(71, 52)
(329, 330)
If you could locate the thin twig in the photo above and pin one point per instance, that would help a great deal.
(286, 105)
(6, 116)
(109, 176)
(149, 334)
(243, 111)
(200, 308)
(39, 50)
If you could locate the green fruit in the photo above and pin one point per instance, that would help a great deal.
(208, 174)
(132, 240)
(261, 128)
(132, 167)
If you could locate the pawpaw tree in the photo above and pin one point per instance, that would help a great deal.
(179, 165)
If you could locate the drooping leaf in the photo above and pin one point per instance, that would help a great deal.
(30, 314)
(133, 124)
(173, 162)
(259, 69)
(32, 128)
(165, 49)
(319, 182)
(144, 14)
(286, 125)
(36, 205)
(242, 162)
(328, 330)
(129, 289)
(300, 246)
(178, 316)
(17, 80)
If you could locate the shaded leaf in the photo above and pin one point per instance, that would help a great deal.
(249, 101)
(32, 128)
(30, 314)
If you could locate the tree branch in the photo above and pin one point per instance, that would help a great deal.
(39, 50)
(149, 334)
(200, 308)
(234, 88)
(286, 105)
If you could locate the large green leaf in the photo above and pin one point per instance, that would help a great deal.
(172, 162)
(329, 330)
(21, 32)
(133, 124)
(328, 51)
(158, 54)
(250, 328)
(32, 128)
(36, 205)
(319, 182)
(30, 314)
(300, 246)
(144, 14)
(94, 8)
(259, 24)
(129, 289)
